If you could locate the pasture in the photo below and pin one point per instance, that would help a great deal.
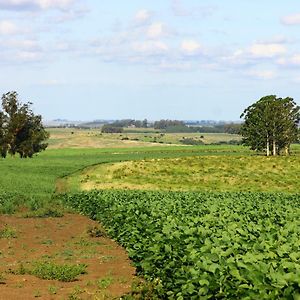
(93, 138)
(197, 173)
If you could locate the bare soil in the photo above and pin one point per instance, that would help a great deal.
(62, 241)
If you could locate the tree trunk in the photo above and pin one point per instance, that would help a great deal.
(287, 150)
(274, 148)
(268, 147)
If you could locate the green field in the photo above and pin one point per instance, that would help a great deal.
(188, 245)
(205, 245)
(93, 138)
(197, 173)
(34, 180)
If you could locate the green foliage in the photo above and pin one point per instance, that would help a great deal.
(271, 122)
(21, 131)
(111, 129)
(163, 124)
(8, 232)
(45, 212)
(105, 282)
(205, 245)
(51, 271)
(191, 141)
(31, 183)
(96, 231)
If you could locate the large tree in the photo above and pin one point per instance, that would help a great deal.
(21, 131)
(271, 124)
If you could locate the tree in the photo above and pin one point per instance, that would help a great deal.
(271, 124)
(107, 128)
(21, 131)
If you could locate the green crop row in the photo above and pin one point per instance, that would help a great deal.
(205, 245)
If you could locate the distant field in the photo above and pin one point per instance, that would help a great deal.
(202, 173)
(93, 138)
(33, 181)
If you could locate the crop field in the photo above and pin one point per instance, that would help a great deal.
(205, 245)
(187, 245)
(33, 182)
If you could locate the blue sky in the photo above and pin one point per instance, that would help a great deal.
(176, 59)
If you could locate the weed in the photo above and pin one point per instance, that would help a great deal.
(96, 231)
(2, 279)
(8, 232)
(45, 212)
(51, 271)
(21, 270)
(37, 294)
(52, 289)
(47, 242)
(105, 282)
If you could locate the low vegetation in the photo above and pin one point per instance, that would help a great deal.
(51, 271)
(202, 173)
(205, 245)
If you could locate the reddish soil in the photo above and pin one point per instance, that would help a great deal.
(62, 241)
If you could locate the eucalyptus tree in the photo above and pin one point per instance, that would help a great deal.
(21, 131)
(271, 124)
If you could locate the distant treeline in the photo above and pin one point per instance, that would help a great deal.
(170, 126)
(175, 126)
(130, 123)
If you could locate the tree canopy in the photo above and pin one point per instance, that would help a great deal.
(21, 131)
(271, 124)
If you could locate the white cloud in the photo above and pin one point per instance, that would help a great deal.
(24, 44)
(28, 56)
(267, 50)
(291, 19)
(156, 30)
(36, 4)
(8, 28)
(150, 47)
(191, 47)
(292, 61)
(143, 16)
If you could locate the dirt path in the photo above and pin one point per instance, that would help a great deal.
(60, 241)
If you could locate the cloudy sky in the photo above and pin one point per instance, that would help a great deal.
(176, 59)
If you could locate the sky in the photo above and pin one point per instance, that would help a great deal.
(174, 59)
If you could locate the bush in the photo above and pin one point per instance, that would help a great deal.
(190, 141)
(111, 129)
(50, 271)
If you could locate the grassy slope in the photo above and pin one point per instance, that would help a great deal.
(209, 173)
(93, 138)
(36, 177)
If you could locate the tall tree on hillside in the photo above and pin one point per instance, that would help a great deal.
(3, 142)
(271, 124)
(22, 131)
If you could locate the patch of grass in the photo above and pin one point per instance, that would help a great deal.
(96, 231)
(51, 271)
(105, 282)
(75, 293)
(201, 173)
(37, 294)
(31, 183)
(45, 212)
(47, 242)
(8, 232)
(21, 270)
(52, 289)
(142, 289)
(2, 279)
